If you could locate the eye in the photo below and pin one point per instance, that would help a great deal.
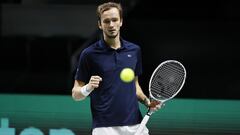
(106, 21)
(114, 19)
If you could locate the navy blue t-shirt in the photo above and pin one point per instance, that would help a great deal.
(113, 103)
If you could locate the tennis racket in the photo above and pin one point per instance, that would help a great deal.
(165, 83)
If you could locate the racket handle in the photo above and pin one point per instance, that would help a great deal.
(142, 125)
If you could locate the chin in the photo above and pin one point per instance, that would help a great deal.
(112, 35)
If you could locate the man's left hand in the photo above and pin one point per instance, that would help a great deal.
(153, 105)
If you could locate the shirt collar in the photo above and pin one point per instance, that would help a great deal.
(102, 44)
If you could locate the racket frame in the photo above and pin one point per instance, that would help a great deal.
(149, 112)
(150, 82)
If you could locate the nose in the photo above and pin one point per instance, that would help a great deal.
(111, 23)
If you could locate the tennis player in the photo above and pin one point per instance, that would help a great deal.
(114, 104)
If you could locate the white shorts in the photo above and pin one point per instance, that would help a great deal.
(119, 130)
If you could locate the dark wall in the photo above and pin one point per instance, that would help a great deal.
(204, 36)
(48, 20)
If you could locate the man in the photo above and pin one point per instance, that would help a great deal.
(114, 104)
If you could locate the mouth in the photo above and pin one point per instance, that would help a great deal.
(112, 30)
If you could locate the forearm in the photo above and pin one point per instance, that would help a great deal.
(154, 105)
(140, 95)
(80, 90)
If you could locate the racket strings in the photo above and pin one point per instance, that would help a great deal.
(173, 75)
(167, 91)
(167, 80)
(168, 70)
(163, 95)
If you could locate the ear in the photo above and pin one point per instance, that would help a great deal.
(121, 22)
(99, 25)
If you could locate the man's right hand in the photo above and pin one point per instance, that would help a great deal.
(94, 82)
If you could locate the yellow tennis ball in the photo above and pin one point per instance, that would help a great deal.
(127, 75)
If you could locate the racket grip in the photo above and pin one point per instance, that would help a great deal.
(142, 125)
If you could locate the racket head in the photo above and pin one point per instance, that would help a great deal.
(167, 80)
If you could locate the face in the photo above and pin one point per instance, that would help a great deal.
(110, 23)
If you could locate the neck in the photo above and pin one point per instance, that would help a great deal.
(113, 42)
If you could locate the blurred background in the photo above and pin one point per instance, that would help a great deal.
(41, 41)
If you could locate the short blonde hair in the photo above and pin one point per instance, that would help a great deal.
(106, 6)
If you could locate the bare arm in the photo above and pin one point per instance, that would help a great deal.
(76, 93)
(141, 96)
(154, 105)
(80, 90)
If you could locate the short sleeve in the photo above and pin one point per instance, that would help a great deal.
(138, 69)
(82, 71)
